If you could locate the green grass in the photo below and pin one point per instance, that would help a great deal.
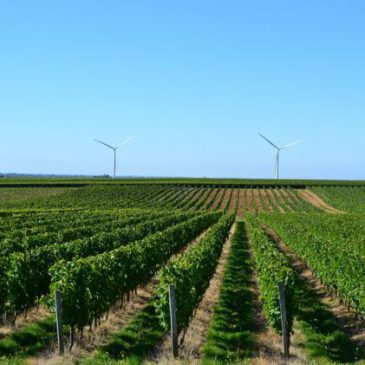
(132, 342)
(231, 333)
(325, 341)
(27, 341)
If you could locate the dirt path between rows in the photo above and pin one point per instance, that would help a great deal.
(347, 319)
(218, 198)
(211, 196)
(178, 197)
(183, 200)
(201, 200)
(290, 201)
(193, 200)
(232, 203)
(241, 198)
(256, 197)
(273, 201)
(226, 197)
(250, 207)
(316, 201)
(294, 196)
(266, 200)
(279, 197)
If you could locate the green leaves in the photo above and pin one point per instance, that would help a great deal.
(191, 273)
(91, 285)
(26, 274)
(272, 267)
(332, 246)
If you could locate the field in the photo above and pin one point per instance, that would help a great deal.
(111, 249)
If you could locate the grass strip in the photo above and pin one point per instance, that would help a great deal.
(134, 341)
(325, 341)
(230, 337)
(28, 340)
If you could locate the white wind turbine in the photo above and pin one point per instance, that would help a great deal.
(278, 149)
(115, 151)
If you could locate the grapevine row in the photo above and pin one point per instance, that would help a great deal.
(272, 268)
(91, 285)
(191, 274)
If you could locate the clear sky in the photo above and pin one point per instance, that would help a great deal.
(193, 81)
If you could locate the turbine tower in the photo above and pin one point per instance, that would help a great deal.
(115, 151)
(278, 149)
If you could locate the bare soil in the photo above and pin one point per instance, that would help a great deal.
(232, 203)
(225, 198)
(290, 200)
(210, 197)
(199, 193)
(263, 193)
(279, 197)
(256, 195)
(241, 197)
(187, 197)
(293, 196)
(315, 200)
(217, 200)
(202, 198)
(250, 206)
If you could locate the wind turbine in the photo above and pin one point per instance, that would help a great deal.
(278, 149)
(115, 151)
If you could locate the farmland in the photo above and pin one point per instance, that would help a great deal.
(112, 248)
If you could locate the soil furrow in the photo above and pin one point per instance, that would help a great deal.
(266, 201)
(233, 201)
(210, 198)
(316, 201)
(241, 198)
(226, 197)
(217, 200)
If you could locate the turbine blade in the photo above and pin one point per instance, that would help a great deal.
(267, 140)
(105, 144)
(125, 142)
(289, 145)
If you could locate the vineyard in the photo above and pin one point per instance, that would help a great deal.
(110, 257)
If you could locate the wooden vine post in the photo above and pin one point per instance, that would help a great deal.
(59, 321)
(173, 322)
(284, 321)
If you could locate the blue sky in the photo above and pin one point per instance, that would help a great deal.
(193, 81)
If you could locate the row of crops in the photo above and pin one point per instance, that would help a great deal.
(95, 272)
(99, 244)
(324, 339)
(231, 334)
(31, 263)
(332, 246)
(348, 199)
(273, 200)
(94, 278)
